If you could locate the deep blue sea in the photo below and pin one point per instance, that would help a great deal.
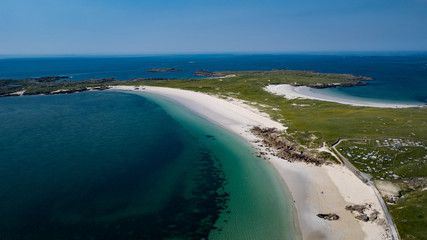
(398, 77)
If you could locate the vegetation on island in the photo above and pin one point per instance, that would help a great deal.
(163, 70)
(389, 144)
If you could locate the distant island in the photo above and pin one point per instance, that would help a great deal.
(163, 70)
(50, 85)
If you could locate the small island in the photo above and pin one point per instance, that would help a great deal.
(163, 70)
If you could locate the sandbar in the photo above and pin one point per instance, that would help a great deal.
(293, 92)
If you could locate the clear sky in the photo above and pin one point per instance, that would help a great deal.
(203, 26)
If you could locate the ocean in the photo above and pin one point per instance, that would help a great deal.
(398, 77)
(119, 165)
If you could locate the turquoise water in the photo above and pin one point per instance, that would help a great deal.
(113, 165)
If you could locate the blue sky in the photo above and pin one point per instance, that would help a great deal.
(204, 26)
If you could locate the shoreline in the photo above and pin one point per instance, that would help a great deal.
(293, 92)
(324, 189)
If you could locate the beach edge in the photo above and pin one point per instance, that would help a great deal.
(310, 195)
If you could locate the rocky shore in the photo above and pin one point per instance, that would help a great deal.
(206, 73)
(56, 92)
(284, 148)
(332, 85)
(51, 85)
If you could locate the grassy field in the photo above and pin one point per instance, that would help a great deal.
(410, 211)
(387, 158)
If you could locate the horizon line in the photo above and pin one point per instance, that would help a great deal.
(362, 52)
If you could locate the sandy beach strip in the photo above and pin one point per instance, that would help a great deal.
(325, 189)
(293, 92)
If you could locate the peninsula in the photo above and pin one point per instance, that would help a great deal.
(300, 138)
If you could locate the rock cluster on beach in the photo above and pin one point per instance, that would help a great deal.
(329, 216)
(363, 212)
(284, 148)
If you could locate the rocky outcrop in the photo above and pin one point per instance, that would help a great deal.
(96, 80)
(206, 73)
(351, 81)
(329, 216)
(363, 213)
(65, 91)
(374, 215)
(284, 148)
(362, 217)
(356, 208)
(10, 95)
(49, 78)
(331, 85)
(361, 78)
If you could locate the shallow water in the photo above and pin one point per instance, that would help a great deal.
(112, 165)
(260, 206)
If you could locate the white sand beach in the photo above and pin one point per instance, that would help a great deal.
(292, 92)
(325, 189)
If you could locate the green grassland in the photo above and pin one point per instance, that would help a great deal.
(398, 158)
(410, 211)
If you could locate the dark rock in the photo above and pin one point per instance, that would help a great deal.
(328, 216)
(373, 216)
(357, 208)
(102, 88)
(363, 217)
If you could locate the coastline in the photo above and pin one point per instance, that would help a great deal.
(293, 92)
(315, 190)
